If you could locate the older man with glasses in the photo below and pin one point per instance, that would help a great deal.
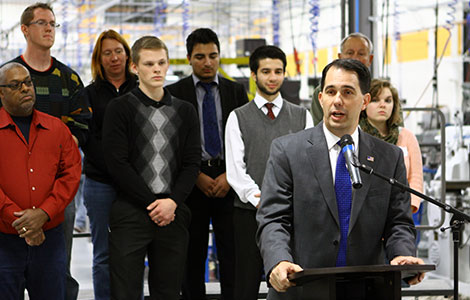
(39, 175)
(57, 90)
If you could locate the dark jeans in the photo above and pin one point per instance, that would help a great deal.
(98, 198)
(133, 236)
(41, 269)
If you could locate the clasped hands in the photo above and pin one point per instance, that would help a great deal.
(162, 211)
(280, 281)
(214, 188)
(29, 225)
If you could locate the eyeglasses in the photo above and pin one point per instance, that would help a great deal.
(16, 85)
(44, 23)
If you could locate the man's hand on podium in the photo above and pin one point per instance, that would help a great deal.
(278, 277)
(409, 260)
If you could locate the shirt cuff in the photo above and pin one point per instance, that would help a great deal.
(252, 199)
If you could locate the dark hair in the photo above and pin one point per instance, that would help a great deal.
(263, 52)
(147, 42)
(350, 65)
(376, 89)
(28, 14)
(96, 67)
(201, 36)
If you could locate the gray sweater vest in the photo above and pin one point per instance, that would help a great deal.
(258, 131)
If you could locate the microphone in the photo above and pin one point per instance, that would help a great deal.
(346, 143)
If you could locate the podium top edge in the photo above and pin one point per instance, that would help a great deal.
(359, 269)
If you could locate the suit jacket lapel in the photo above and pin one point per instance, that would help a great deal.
(224, 99)
(190, 92)
(366, 151)
(320, 162)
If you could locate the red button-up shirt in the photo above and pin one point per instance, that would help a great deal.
(44, 173)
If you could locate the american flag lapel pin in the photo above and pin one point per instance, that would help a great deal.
(370, 158)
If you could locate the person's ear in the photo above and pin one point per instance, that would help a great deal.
(134, 68)
(253, 76)
(366, 101)
(24, 30)
(371, 58)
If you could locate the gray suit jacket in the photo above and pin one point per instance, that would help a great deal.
(298, 216)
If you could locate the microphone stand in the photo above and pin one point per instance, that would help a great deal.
(457, 221)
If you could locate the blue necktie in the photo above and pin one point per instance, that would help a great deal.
(209, 119)
(343, 199)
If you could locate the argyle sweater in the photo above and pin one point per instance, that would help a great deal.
(152, 148)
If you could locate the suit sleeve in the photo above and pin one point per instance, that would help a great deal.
(191, 158)
(399, 233)
(275, 214)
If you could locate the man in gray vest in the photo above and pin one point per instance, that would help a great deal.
(249, 132)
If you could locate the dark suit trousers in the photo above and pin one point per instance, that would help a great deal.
(220, 211)
(248, 261)
(133, 236)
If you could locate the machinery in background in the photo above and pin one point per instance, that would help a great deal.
(436, 245)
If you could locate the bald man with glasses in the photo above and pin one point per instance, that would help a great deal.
(57, 89)
(39, 176)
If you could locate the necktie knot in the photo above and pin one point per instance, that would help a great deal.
(270, 106)
(207, 86)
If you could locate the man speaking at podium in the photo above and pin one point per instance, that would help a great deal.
(310, 216)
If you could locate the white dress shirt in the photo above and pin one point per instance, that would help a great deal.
(237, 177)
(334, 149)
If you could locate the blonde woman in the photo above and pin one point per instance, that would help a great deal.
(110, 63)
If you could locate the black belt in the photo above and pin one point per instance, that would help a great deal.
(215, 162)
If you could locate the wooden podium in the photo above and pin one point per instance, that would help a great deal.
(356, 282)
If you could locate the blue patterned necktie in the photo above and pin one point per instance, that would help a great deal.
(343, 193)
(209, 119)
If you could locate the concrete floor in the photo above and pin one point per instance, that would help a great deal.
(82, 262)
(81, 266)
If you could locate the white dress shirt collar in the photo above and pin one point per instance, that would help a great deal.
(332, 140)
(260, 101)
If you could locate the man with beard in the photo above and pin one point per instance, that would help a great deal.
(39, 176)
(249, 133)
